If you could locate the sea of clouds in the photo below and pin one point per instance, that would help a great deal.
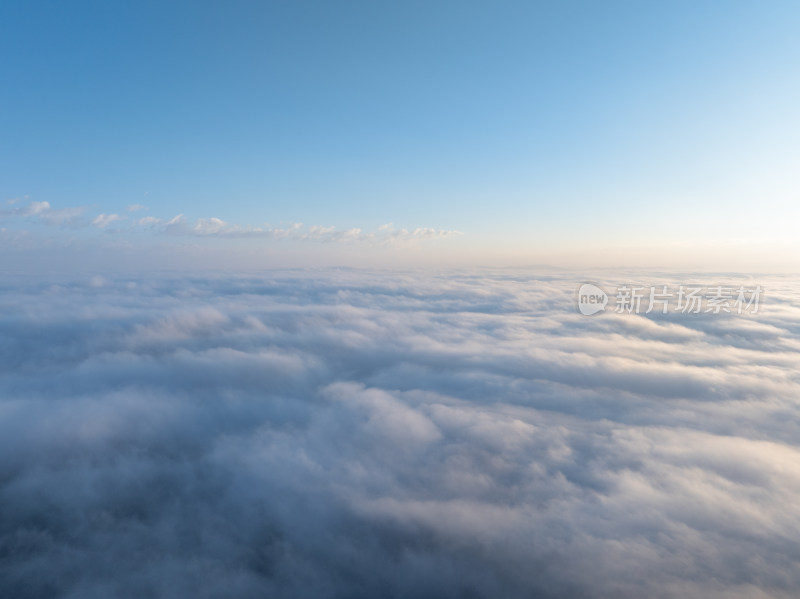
(351, 434)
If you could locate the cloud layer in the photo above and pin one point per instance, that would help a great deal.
(212, 227)
(354, 434)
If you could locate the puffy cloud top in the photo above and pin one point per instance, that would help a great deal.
(352, 434)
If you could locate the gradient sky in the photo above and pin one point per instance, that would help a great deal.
(528, 127)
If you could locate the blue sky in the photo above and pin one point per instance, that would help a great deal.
(527, 127)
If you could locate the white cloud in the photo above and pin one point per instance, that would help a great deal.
(101, 221)
(389, 234)
(42, 212)
(29, 209)
(217, 228)
(63, 216)
(209, 226)
(350, 433)
(36, 208)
